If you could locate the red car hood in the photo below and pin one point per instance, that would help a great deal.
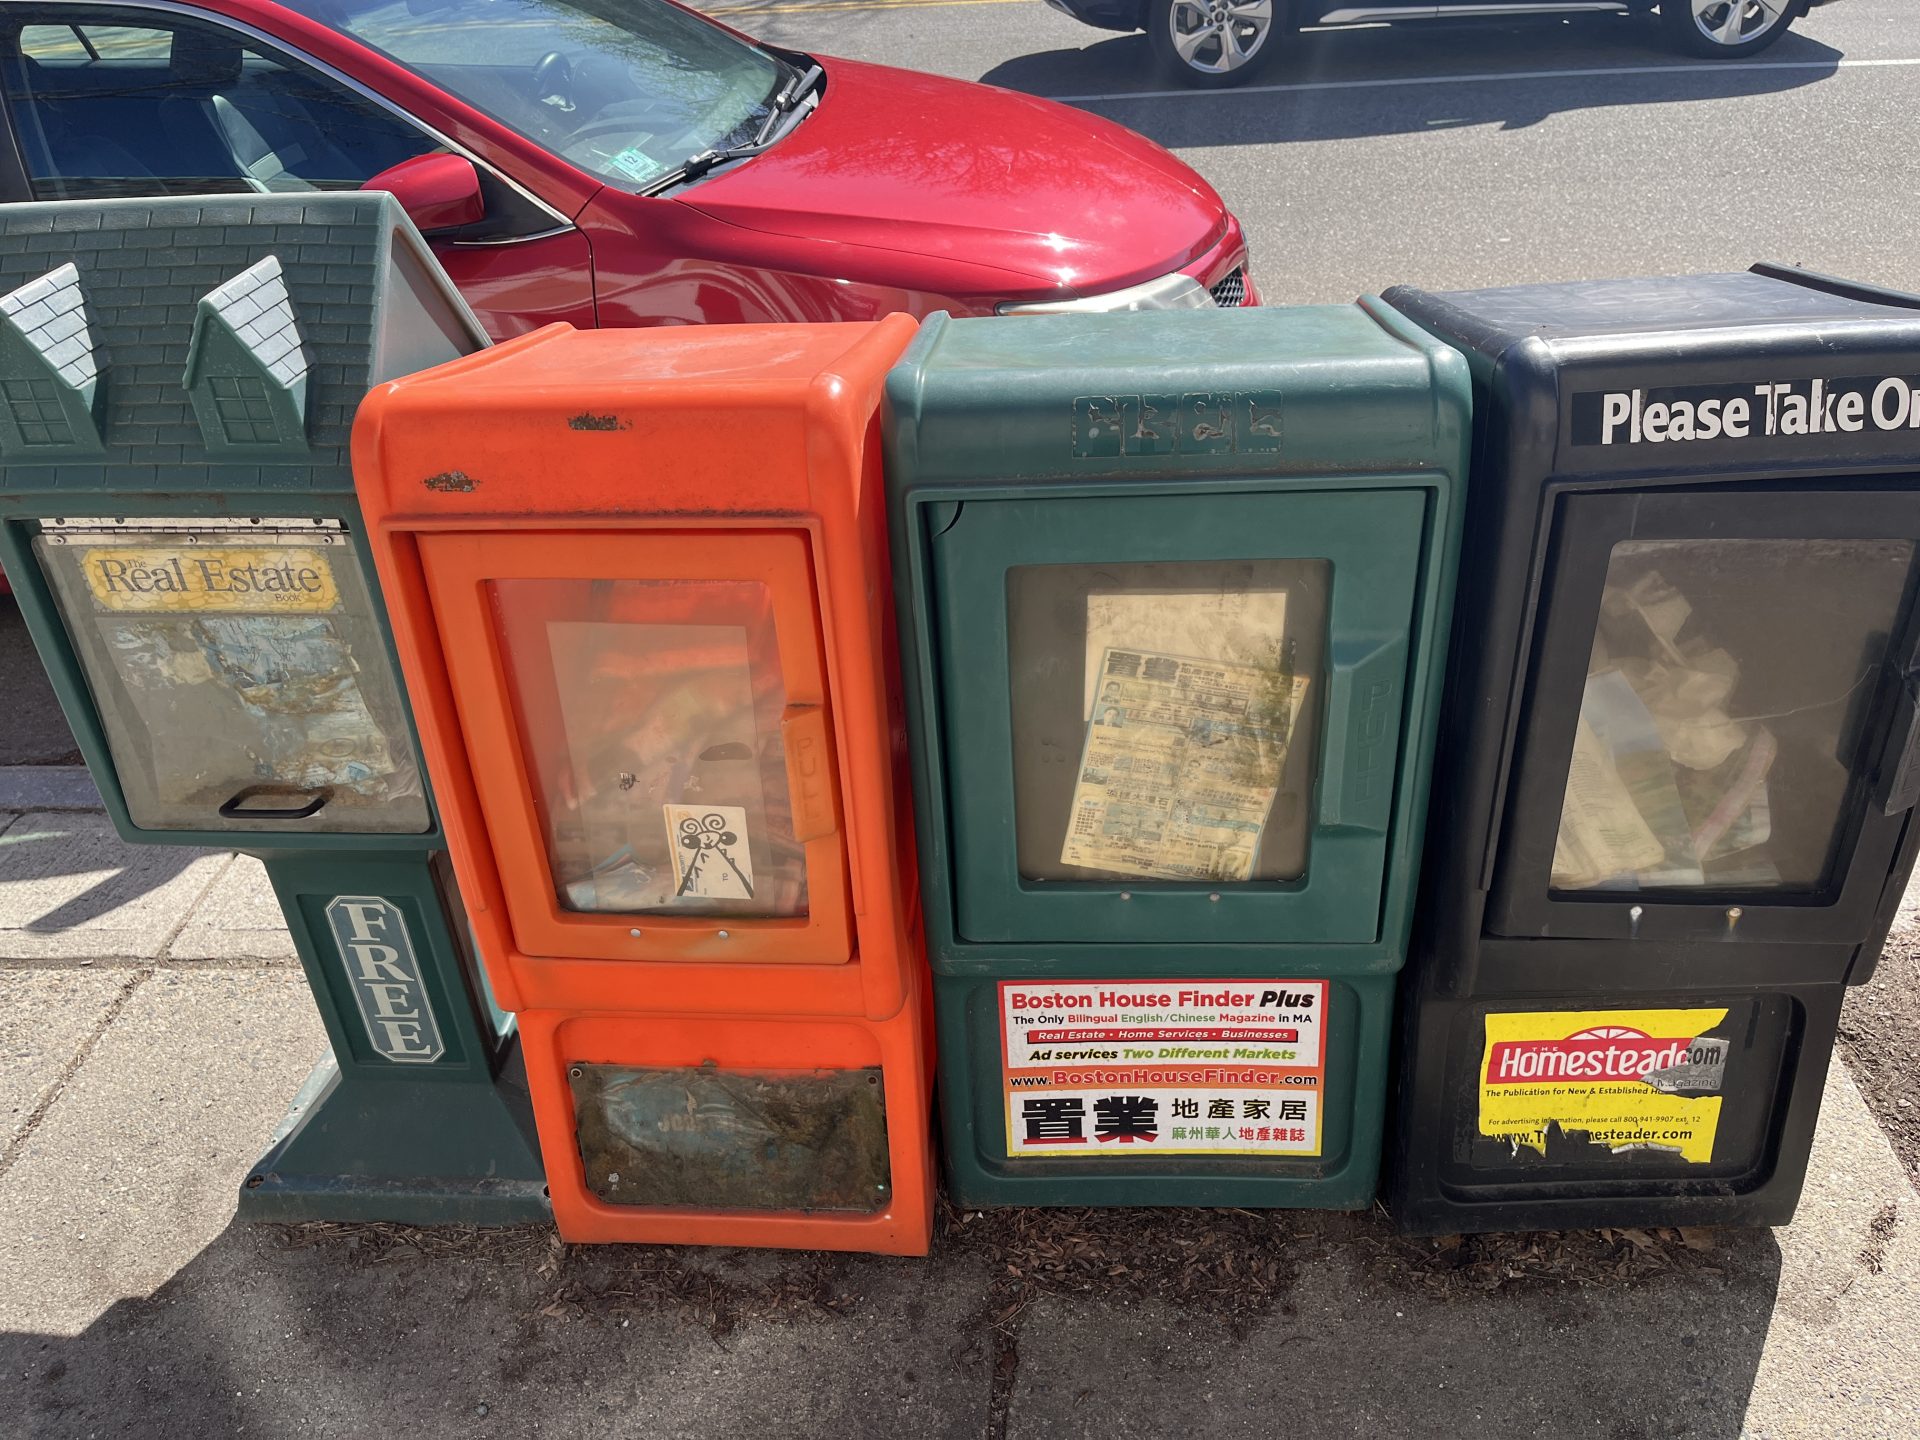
(896, 160)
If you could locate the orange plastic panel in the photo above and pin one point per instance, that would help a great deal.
(560, 519)
(566, 1052)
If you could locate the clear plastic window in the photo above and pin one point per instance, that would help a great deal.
(242, 678)
(1721, 721)
(1165, 717)
(650, 712)
(733, 1139)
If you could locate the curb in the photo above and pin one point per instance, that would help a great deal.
(48, 787)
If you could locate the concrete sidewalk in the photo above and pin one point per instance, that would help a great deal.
(154, 1025)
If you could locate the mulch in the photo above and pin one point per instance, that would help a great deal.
(1236, 1266)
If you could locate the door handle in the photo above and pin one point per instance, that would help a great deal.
(1902, 785)
(812, 787)
(236, 808)
(1360, 754)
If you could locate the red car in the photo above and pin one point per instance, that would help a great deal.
(617, 162)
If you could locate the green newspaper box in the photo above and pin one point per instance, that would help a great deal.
(178, 378)
(1174, 591)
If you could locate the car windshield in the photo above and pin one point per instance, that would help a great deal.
(628, 90)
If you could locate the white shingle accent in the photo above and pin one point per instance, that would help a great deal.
(36, 290)
(61, 326)
(256, 307)
(33, 316)
(48, 315)
(273, 347)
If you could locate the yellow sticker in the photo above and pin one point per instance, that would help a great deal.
(290, 579)
(1628, 1080)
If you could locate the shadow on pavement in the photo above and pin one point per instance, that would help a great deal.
(1413, 78)
(38, 848)
(1035, 1323)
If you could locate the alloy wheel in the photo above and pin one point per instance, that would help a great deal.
(1735, 22)
(1219, 36)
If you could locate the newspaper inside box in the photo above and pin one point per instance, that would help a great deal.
(1163, 724)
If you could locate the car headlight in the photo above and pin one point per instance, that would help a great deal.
(1169, 292)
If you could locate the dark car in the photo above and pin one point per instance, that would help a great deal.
(1225, 42)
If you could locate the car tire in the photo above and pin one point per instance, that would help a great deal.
(1212, 44)
(1695, 26)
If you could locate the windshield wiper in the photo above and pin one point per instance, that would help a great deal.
(785, 100)
(799, 85)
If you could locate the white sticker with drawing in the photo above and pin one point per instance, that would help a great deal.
(710, 856)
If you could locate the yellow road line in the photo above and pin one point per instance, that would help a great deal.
(802, 5)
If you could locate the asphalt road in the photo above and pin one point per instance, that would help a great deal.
(1462, 154)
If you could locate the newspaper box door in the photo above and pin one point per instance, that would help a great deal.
(240, 674)
(646, 714)
(1191, 709)
(1719, 716)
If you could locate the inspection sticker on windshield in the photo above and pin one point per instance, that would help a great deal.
(1164, 1067)
(636, 164)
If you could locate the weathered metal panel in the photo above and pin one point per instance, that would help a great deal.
(733, 1139)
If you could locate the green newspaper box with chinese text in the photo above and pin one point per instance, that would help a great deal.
(1173, 589)
(178, 378)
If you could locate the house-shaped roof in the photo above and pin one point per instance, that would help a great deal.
(208, 343)
(48, 377)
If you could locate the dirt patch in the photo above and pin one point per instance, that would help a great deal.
(1880, 1038)
(717, 1293)
(718, 1290)
(362, 1246)
(1234, 1266)
(1454, 1266)
(1873, 1255)
(1239, 1266)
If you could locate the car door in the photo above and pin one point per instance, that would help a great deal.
(125, 100)
(1344, 12)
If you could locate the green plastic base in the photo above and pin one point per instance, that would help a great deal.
(455, 1153)
(1344, 1176)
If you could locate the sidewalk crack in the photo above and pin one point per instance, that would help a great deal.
(1005, 1360)
(1005, 1318)
(164, 956)
(18, 1145)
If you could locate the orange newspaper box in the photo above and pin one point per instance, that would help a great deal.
(640, 594)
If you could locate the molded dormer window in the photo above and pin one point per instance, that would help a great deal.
(49, 378)
(247, 367)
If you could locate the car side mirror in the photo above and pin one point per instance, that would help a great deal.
(438, 192)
